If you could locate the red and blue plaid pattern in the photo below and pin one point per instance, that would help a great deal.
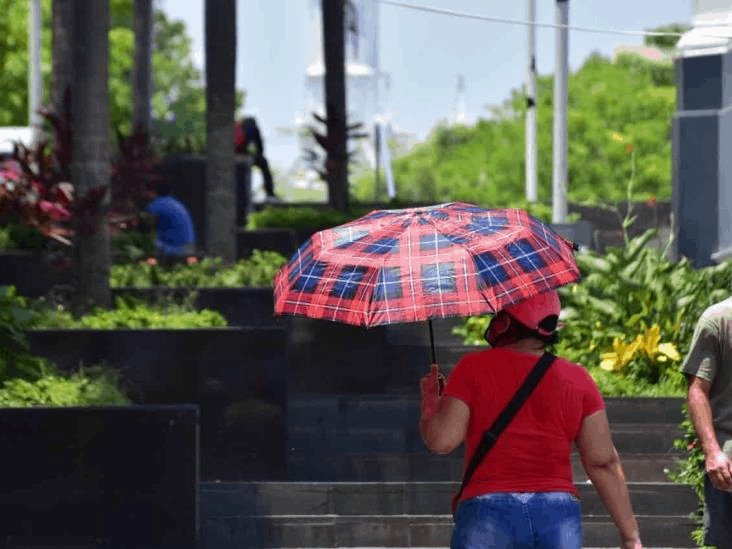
(413, 264)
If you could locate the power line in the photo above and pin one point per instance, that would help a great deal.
(479, 17)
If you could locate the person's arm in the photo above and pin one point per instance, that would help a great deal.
(443, 421)
(716, 463)
(602, 464)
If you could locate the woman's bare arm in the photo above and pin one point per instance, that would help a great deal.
(445, 430)
(602, 464)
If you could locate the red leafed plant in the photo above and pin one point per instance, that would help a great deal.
(134, 175)
(36, 186)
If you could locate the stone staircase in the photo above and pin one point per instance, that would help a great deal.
(370, 482)
(360, 476)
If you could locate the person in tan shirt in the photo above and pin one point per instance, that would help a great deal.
(708, 368)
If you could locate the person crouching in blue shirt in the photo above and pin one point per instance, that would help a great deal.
(175, 235)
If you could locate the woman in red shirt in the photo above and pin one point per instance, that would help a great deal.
(522, 494)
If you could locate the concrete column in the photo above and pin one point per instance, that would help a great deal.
(702, 133)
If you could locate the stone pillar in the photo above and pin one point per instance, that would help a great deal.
(702, 133)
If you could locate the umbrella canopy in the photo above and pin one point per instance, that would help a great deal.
(416, 264)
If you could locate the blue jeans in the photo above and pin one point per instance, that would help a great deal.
(717, 516)
(518, 521)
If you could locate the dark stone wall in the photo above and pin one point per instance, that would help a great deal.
(236, 376)
(122, 476)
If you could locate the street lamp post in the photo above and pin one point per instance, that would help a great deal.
(531, 148)
(561, 74)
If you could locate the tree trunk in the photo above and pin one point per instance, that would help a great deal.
(335, 103)
(90, 153)
(220, 40)
(142, 71)
(62, 67)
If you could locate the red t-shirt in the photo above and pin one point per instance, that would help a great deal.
(533, 454)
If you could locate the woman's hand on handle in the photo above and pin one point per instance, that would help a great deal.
(431, 386)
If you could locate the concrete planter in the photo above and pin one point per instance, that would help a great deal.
(32, 273)
(235, 375)
(106, 477)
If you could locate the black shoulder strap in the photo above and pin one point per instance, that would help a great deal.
(504, 418)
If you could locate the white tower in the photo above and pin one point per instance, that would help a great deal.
(362, 60)
(363, 78)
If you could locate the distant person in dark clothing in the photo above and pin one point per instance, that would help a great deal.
(174, 227)
(248, 140)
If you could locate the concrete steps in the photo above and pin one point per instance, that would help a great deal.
(361, 477)
(638, 467)
(408, 514)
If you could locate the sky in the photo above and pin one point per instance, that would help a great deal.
(423, 53)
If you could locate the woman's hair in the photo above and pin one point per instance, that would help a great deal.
(504, 329)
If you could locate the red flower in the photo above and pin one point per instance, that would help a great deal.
(191, 260)
(151, 261)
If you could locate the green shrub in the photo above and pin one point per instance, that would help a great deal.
(130, 246)
(133, 314)
(27, 380)
(88, 387)
(301, 218)
(631, 317)
(256, 271)
(16, 318)
(690, 470)
(6, 242)
(16, 236)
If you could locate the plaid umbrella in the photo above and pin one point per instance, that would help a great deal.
(416, 264)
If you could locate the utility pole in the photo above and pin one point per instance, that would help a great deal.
(35, 82)
(532, 183)
(561, 74)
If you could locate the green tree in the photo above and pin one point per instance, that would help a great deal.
(178, 101)
(666, 42)
(615, 107)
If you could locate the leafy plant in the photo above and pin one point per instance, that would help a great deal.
(629, 292)
(132, 245)
(300, 218)
(16, 318)
(257, 271)
(27, 380)
(690, 470)
(133, 314)
(14, 235)
(88, 387)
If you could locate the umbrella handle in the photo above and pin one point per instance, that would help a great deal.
(432, 342)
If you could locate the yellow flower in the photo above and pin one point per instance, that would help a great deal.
(669, 350)
(650, 340)
(654, 349)
(621, 354)
(617, 137)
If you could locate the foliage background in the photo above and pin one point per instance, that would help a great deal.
(615, 107)
(178, 101)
